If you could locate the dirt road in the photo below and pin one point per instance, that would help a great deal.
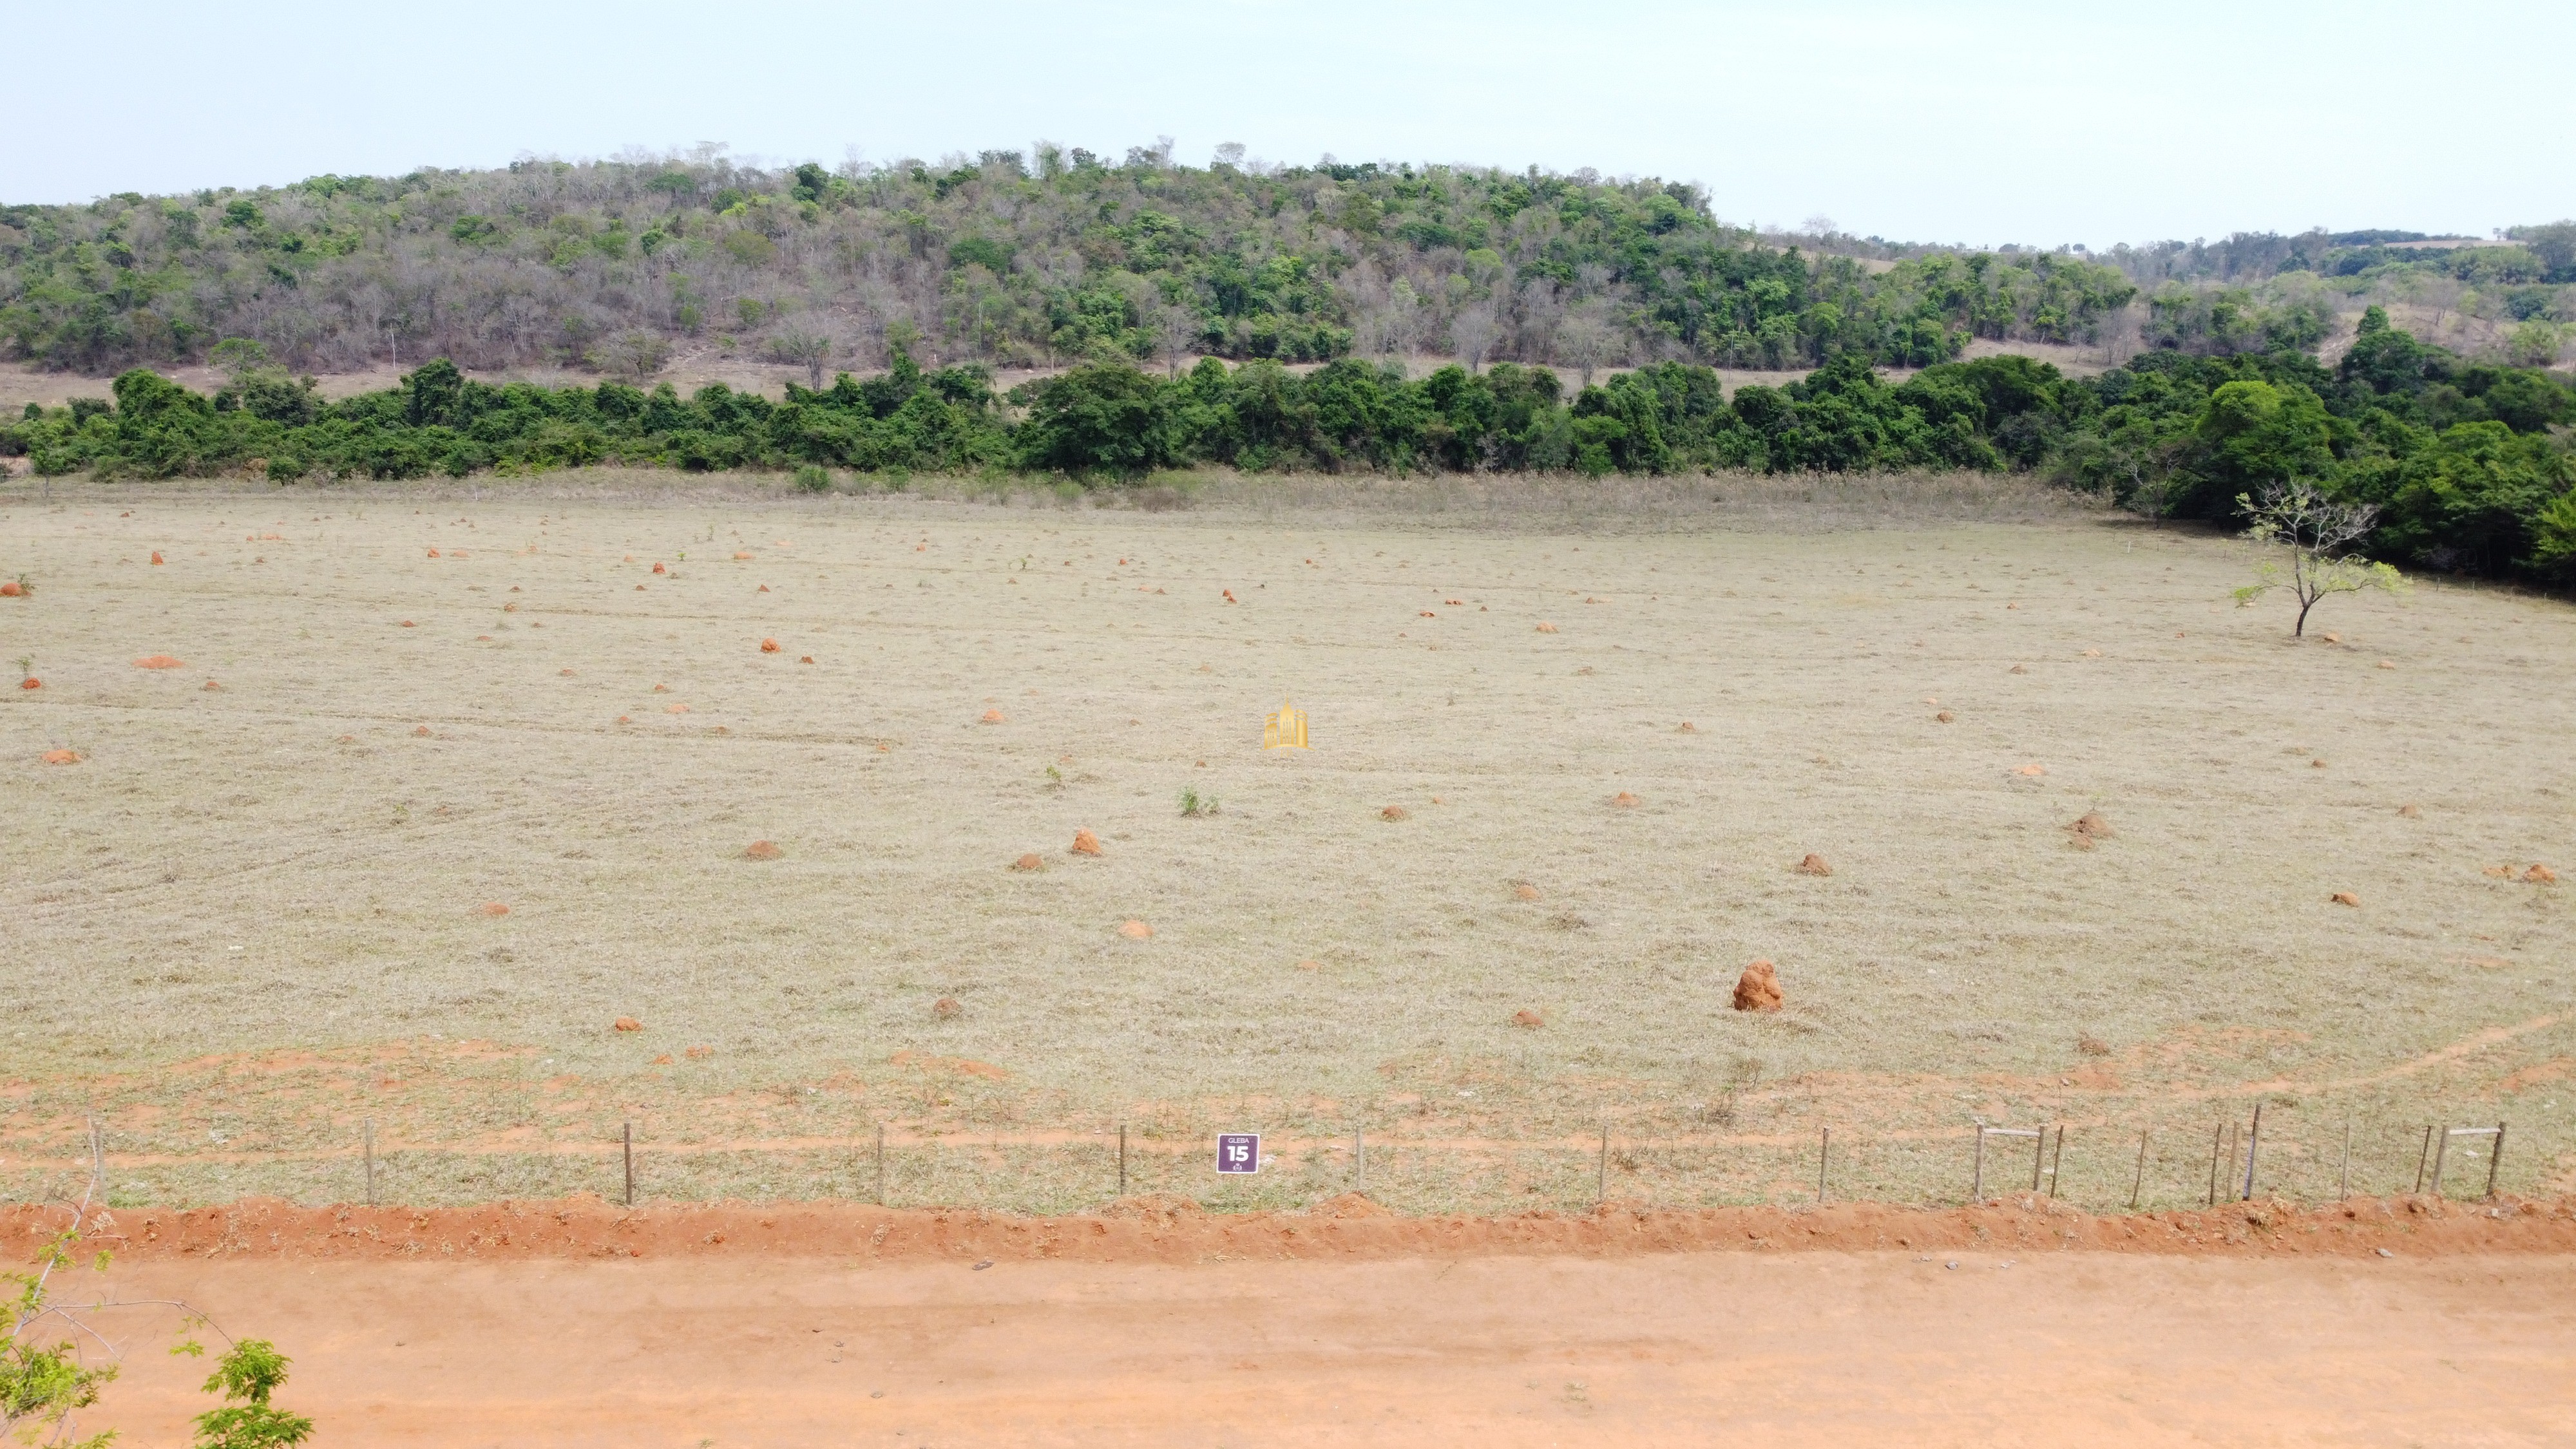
(1828, 1347)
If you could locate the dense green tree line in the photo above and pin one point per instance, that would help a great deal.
(2470, 463)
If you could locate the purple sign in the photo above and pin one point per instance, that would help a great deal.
(1238, 1152)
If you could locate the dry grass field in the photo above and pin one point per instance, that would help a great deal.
(1569, 746)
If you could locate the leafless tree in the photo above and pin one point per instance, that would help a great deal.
(1583, 338)
(807, 348)
(1175, 328)
(1472, 330)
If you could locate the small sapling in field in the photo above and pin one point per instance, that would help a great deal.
(2315, 529)
(1194, 804)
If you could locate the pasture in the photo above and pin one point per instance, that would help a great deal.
(441, 787)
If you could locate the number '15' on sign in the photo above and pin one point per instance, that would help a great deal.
(1238, 1152)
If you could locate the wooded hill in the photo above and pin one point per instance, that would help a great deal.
(1006, 260)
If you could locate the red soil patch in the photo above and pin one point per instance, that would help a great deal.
(2090, 826)
(1230, 598)
(1393, 812)
(675, 709)
(1029, 861)
(158, 661)
(761, 850)
(1177, 1231)
(62, 757)
(1624, 800)
(156, 558)
(1687, 728)
(740, 554)
(421, 731)
(657, 568)
(2032, 770)
(2345, 898)
(31, 682)
(1945, 717)
(2540, 873)
(946, 1008)
(628, 1023)
(1546, 628)
(1528, 1018)
(994, 716)
(1814, 864)
(1525, 891)
(1310, 965)
(768, 646)
(1136, 931)
(10, 589)
(1085, 843)
(805, 659)
(1758, 989)
(2411, 812)
(491, 908)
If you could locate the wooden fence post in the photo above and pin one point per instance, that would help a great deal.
(1824, 1155)
(2140, 1181)
(2441, 1151)
(2422, 1157)
(2056, 1159)
(1977, 1184)
(2253, 1145)
(2495, 1159)
(2217, 1145)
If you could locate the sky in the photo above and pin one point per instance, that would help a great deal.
(1983, 123)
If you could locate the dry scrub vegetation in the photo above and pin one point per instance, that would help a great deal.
(576, 847)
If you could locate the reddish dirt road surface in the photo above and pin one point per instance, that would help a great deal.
(2404, 1322)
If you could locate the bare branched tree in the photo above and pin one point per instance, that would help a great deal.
(807, 348)
(1473, 331)
(2314, 530)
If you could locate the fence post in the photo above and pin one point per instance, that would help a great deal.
(1359, 1161)
(2253, 1145)
(2038, 1155)
(1977, 1184)
(2421, 1157)
(2217, 1145)
(1122, 1159)
(371, 1161)
(2140, 1181)
(1824, 1155)
(2441, 1151)
(630, 1163)
(2495, 1159)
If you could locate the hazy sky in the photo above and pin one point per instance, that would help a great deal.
(1979, 122)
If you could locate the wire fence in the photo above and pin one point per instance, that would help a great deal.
(2100, 1169)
